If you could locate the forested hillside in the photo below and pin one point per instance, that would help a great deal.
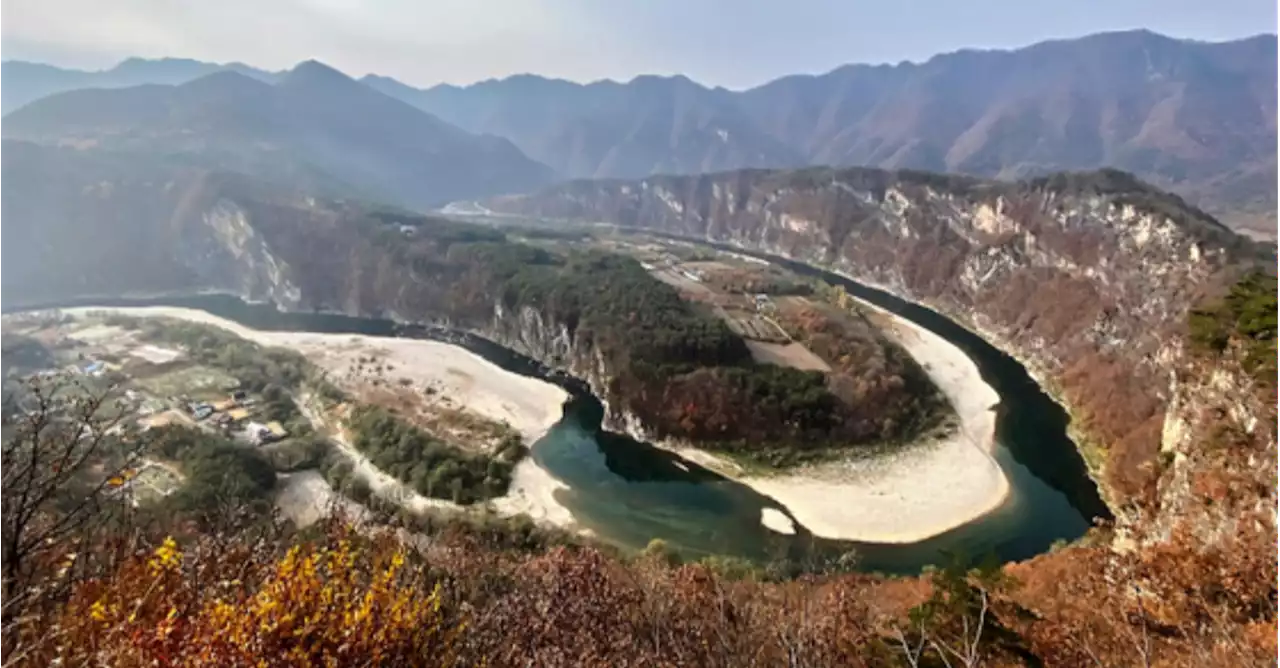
(680, 370)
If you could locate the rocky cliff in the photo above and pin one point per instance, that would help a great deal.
(1088, 281)
(1087, 278)
(1217, 451)
(541, 336)
(648, 353)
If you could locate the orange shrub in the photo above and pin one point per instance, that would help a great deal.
(345, 601)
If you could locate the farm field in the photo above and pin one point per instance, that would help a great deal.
(198, 382)
(753, 326)
(153, 482)
(792, 354)
(682, 283)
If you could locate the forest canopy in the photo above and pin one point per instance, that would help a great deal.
(429, 465)
(673, 364)
(1246, 317)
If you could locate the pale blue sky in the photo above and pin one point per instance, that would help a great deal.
(734, 43)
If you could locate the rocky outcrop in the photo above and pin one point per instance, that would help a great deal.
(1217, 450)
(227, 252)
(1085, 278)
(539, 336)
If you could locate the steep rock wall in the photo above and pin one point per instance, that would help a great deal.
(1087, 283)
(1089, 287)
(226, 251)
(1217, 452)
(539, 336)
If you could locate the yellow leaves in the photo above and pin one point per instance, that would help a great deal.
(321, 604)
(341, 602)
(166, 557)
(98, 611)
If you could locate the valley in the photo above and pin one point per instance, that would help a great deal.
(763, 303)
(784, 380)
(876, 485)
(1011, 261)
(992, 470)
(960, 361)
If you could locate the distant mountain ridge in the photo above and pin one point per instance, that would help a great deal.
(312, 127)
(1195, 117)
(608, 129)
(1198, 118)
(26, 82)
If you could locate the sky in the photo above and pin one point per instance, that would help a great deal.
(732, 43)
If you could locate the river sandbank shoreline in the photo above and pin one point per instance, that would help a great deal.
(904, 497)
(528, 405)
(908, 496)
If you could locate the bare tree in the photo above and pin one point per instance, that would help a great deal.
(913, 649)
(63, 458)
(964, 646)
(951, 626)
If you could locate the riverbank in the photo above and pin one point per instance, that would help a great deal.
(911, 495)
(528, 405)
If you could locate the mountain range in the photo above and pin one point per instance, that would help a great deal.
(26, 82)
(1150, 326)
(1195, 117)
(313, 127)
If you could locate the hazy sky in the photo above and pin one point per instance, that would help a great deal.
(734, 43)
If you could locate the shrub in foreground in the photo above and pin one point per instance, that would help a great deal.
(342, 600)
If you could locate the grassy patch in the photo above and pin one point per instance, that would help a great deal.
(197, 382)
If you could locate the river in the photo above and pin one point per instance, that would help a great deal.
(628, 492)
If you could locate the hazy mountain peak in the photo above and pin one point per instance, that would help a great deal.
(529, 78)
(314, 72)
(228, 81)
(378, 78)
(136, 61)
(673, 80)
(316, 126)
(164, 70)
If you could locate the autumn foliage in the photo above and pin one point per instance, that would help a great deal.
(341, 601)
(1189, 583)
(345, 597)
(1187, 578)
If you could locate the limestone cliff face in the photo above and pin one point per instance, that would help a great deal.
(1086, 279)
(539, 336)
(112, 233)
(1219, 429)
(273, 254)
(225, 250)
